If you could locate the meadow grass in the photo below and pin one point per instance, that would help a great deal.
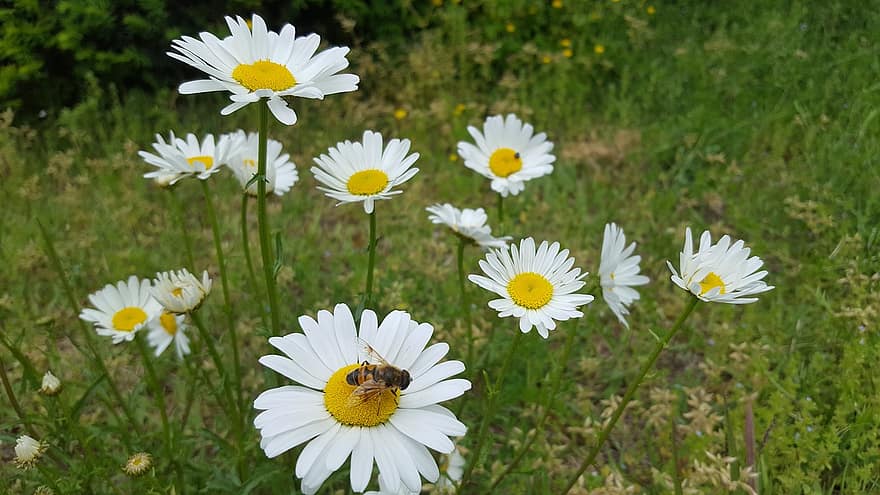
(757, 120)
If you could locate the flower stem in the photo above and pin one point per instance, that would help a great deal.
(245, 241)
(159, 397)
(12, 400)
(368, 292)
(630, 392)
(177, 210)
(491, 409)
(554, 389)
(500, 211)
(263, 220)
(95, 357)
(465, 305)
(227, 305)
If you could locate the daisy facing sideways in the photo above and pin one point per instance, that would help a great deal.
(180, 158)
(122, 309)
(254, 63)
(364, 171)
(721, 272)
(508, 153)
(619, 272)
(168, 328)
(371, 394)
(468, 224)
(244, 151)
(538, 286)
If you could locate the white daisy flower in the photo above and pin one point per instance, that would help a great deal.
(383, 419)
(50, 385)
(619, 272)
(168, 328)
(181, 292)
(28, 451)
(507, 153)
(254, 63)
(122, 309)
(536, 286)
(244, 152)
(467, 223)
(180, 158)
(719, 272)
(365, 172)
(451, 471)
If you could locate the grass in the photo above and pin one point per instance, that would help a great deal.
(757, 121)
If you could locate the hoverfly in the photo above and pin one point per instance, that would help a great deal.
(372, 380)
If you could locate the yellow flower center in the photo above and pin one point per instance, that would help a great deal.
(711, 281)
(250, 163)
(357, 410)
(505, 161)
(127, 318)
(169, 323)
(264, 74)
(207, 161)
(367, 182)
(530, 290)
(177, 292)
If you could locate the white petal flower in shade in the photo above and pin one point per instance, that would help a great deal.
(372, 421)
(178, 158)
(538, 286)
(168, 328)
(28, 451)
(50, 385)
(138, 464)
(254, 63)
(181, 292)
(244, 151)
(721, 272)
(355, 172)
(122, 309)
(619, 272)
(508, 153)
(451, 471)
(467, 223)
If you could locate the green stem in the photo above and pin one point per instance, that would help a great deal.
(500, 211)
(252, 275)
(29, 370)
(232, 414)
(95, 357)
(491, 409)
(230, 323)
(554, 389)
(177, 210)
(465, 305)
(368, 292)
(7, 386)
(263, 220)
(676, 474)
(159, 397)
(630, 392)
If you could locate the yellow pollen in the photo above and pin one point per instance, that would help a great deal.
(207, 161)
(711, 281)
(367, 182)
(264, 74)
(169, 323)
(530, 290)
(177, 292)
(505, 161)
(357, 410)
(127, 318)
(250, 163)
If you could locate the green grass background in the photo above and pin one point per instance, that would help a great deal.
(756, 119)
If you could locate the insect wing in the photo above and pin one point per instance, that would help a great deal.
(368, 350)
(365, 392)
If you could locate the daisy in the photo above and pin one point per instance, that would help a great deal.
(451, 471)
(254, 63)
(719, 272)
(122, 309)
(365, 172)
(138, 464)
(168, 328)
(618, 272)
(468, 224)
(50, 385)
(392, 426)
(281, 173)
(181, 292)
(28, 451)
(507, 153)
(536, 286)
(180, 158)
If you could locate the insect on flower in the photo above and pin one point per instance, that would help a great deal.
(373, 380)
